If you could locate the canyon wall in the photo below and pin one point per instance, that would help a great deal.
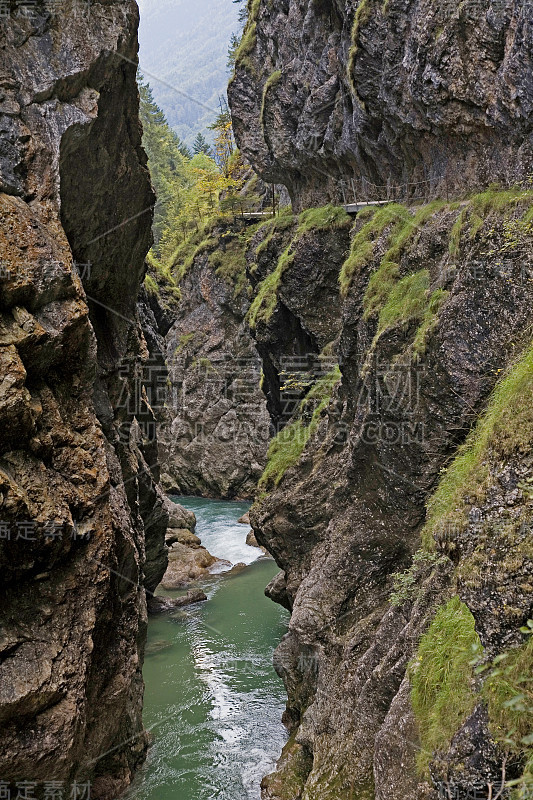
(81, 515)
(394, 92)
(214, 427)
(396, 503)
(345, 516)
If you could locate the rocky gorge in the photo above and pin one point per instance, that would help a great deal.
(396, 503)
(214, 426)
(367, 377)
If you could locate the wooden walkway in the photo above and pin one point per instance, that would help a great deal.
(350, 208)
(354, 208)
(255, 215)
(408, 192)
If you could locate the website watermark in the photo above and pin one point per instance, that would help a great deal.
(32, 531)
(46, 790)
(34, 10)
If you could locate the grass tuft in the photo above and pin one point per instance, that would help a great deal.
(249, 37)
(456, 233)
(287, 447)
(313, 219)
(160, 279)
(406, 300)
(509, 697)
(383, 280)
(151, 285)
(363, 243)
(429, 321)
(479, 208)
(282, 222)
(362, 17)
(504, 427)
(441, 678)
(271, 81)
(323, 218)
(266, 299)
(229, 261)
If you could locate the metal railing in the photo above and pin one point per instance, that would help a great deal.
(363, 192)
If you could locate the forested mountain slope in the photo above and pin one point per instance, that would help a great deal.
(185, 46)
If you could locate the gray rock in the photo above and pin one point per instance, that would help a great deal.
(187, 563)
(158, 605)
(78, 462)
(251, 540)
(214, 426)
(405, 109)
(178, 516)
(348, 516)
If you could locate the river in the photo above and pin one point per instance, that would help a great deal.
(213, 702)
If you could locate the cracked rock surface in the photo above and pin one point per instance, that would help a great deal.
(82, 518)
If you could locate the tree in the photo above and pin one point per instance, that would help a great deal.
(167, 158)
(236, 37)
(232, 51)
(192, 190)
(200, 145)
(224, 143)
(243, 12)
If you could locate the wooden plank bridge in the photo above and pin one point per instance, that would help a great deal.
(370, 195)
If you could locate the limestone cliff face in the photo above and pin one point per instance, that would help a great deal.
(214, 424)
(433, 305)
(407, 90)
(349, 514)
(81, 515)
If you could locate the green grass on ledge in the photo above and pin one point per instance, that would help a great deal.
(363, 243)
(287, 447)
(429, 321)
(505, 427)
(406, 300)
(313, 219)
(249, 37)
(271, 81)
(480, 206)
(382, 281)
(362, 16)
(150, 285)
(441, 676)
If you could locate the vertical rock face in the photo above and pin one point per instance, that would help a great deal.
(348, 516)
(214, 424)
(394, 93)
(391, 92)
(79, 503)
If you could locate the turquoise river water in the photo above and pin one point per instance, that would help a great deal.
(213, 702)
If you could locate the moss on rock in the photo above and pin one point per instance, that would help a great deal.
(441, 674)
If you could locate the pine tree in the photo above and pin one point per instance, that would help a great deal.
(243, 12)
(236, 37)
(224, 144)
(232, 51)
(191, 189)
(167, 157)
(200, 145)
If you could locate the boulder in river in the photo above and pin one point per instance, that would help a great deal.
(187, 559)
(251, 541)
(183, 536)
(187, 564)
(157, 605)
(179, 517)
(237, 568)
